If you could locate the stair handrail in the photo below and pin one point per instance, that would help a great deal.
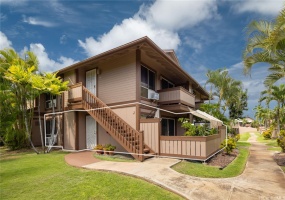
(118, 119)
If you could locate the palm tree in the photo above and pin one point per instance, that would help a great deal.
(275, 93)
(266, 43)
(228, 90)
(219, 79)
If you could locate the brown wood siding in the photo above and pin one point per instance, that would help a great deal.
(117, 80)
(71, 77)
(69, 130)
(105, 138)
(192, 146)
(128, 114)
(150, 127)
(82, 130)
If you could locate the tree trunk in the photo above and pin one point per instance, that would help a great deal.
(53, 127)
(28, 131)
(40, 123)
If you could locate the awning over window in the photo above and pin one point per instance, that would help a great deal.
(214, 122)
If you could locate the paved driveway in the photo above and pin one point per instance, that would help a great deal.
(262, 178)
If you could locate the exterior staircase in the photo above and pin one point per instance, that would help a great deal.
(129, 138)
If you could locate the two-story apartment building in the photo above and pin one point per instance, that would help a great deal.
(130, 96)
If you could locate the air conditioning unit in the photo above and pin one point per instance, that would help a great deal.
(50, 102)
(153, 95)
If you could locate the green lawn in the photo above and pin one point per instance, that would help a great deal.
(244, 137)
(271, 143)
(200, 170)
(47, 176)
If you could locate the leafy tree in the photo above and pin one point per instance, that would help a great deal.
(19, 73)
(21, 85)
(214, 110)
(237, 106)
(54, 86)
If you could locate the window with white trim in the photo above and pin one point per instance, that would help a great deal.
(168, 127)
(49, 126)
(147, 81)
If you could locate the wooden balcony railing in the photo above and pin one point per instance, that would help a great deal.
(176, 95)
(129, 138)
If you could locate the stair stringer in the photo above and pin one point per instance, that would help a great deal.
(121, 131)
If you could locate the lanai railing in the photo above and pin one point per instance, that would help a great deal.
(126, 136)
(129, 138)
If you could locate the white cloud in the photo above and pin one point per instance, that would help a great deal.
(45, 63)
(265, 7)
(174, 15)
(36, 21)
(129, 30)
(156, 21)
(4, 41)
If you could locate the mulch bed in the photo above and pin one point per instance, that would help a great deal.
(222, 159)
(279, 159)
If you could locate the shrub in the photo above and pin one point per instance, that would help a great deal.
(99, 147)
(109, 147)
(231, 145)
(237, 137)
(213, 131)
(200, 130)
(281, 140)
(267, 134)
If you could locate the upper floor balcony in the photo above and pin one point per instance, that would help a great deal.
(176, 99)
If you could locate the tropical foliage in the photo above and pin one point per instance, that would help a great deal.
(21, 83)
(200, 130)
(229, 93)
(266, 44)
(281, 140)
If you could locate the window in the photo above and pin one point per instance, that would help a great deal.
(166, 84)
(50, 99)
(147, 81)
(49, 129)
(168, 127)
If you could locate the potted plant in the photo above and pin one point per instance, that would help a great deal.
(111, 149)
(106, 149)
(99, 148)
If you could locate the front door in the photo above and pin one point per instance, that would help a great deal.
(91, 132)
(91, 81)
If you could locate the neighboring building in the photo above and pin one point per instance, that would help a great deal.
(136, 91)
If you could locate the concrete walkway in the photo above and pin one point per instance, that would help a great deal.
(262, 178)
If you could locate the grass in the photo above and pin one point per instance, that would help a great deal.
(115, 158)
(47, 176)
(283, 168)
(244, 137)
(271, 143)
(235, 168)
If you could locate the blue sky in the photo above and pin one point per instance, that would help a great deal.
(205, 34)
